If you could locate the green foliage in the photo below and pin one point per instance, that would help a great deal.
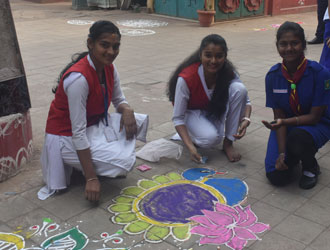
(208, 4)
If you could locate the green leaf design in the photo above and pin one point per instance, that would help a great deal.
(132, 191)
(123, 199)
(124, 218)
(49, 220)
(73, 237)
(146, 184)
(157, 234)
(174, 176)
(136, 227)
(119, 208)
(181, 233)
(161, 179)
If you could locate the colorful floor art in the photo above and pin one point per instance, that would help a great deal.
(11, 241)
(173, 205)
(232, 226)
(142, 23)
(199, 201)
(71, 239)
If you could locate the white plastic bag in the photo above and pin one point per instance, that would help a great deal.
(152, 151)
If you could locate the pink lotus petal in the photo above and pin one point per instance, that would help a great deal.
(241, 213)
(237, 243)
(251, 218)
(258, 227)
(244, 234)
(222, 229)
(219, 218)
(217, 240)
(208, 231)
(222, 208)
(203, 220)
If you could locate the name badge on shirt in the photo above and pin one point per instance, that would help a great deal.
(109, 134)
(280, 91)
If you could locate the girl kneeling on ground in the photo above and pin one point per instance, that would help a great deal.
(210, 101)
(80, 133)
(298, 91)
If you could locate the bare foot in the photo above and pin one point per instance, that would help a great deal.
(230, 152)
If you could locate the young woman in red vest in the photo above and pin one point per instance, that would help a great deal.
(210, 102)
(298, 91)
(79, 132)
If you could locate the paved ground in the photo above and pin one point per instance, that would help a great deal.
(299, 219)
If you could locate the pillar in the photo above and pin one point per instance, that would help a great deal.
(15, 122)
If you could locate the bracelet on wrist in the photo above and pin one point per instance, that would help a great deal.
(92, 179)
(246, 119)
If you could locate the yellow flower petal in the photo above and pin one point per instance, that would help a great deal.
(136, 227)
(181, 233)
(123, 199)
(132, 191)
(157, 234)
(124, 218)
(146, 184)
(119, 208)
(161, 179)
(174, 176)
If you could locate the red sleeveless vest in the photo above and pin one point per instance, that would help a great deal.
(198, 98)
(58, 122)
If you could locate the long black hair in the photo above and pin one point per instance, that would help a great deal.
(219, 99)
(293, 27)
(95, 31)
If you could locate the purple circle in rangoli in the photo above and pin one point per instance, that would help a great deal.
(176, 203)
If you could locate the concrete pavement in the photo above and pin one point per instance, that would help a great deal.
(299, 219)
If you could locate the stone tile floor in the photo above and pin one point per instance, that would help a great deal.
(299, 219)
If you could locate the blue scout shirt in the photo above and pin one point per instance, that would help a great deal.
(313, 90)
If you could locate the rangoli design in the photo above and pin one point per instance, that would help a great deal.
(142, 23)
(72, 239)
(232, 226)
(198, 201)
(162, 207)
(11, 241)
(136, 32)
(80, 22)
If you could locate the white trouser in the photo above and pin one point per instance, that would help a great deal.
(109, 158)
(207, 133)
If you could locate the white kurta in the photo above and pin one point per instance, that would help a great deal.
(204, 132)
(111, 159)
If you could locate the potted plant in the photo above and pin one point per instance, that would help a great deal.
(206, 15)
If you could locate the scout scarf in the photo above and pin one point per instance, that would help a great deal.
(294, 99)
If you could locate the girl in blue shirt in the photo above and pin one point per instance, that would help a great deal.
(298, 91)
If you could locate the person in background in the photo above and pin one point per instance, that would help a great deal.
(325, 55)
(322, 6)
(298, 91)
(80, 133)
(211, 103)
